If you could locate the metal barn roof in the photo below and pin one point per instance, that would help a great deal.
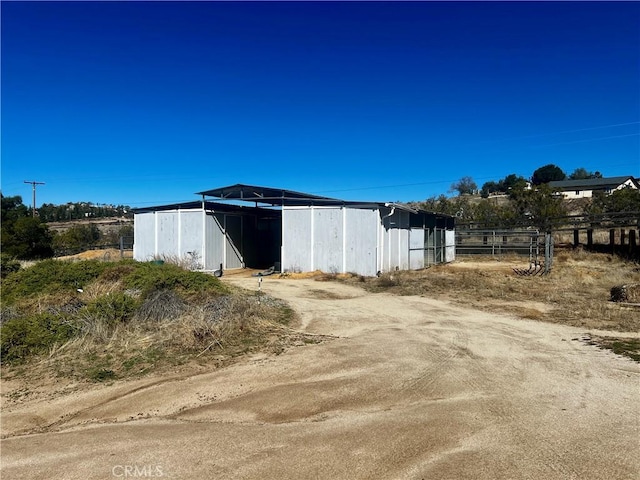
(267, 195)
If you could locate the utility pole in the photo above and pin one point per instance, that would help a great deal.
(33, 184)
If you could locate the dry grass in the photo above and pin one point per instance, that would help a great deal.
(577, 292)
(167, 332)
(106, 254)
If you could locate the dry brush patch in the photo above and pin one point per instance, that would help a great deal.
(166, 332)
(129, 319)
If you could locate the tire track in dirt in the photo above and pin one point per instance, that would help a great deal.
(411, 388)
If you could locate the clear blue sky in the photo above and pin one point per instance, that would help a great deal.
(145, 103)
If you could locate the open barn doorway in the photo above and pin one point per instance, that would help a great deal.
(251, 240)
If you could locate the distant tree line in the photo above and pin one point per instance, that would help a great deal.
(25, 237)
(548, 173)
(526, 203)
(49, 212)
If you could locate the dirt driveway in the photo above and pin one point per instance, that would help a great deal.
(410, 387)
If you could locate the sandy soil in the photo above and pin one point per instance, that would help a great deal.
(405, 388)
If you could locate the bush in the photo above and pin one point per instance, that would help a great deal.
(112, 309)
(161, 305)
(50, 276)
(8, 265)
(33, 334)
(150, 277)
(42, 306)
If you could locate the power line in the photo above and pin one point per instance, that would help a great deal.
(33, 185)
(586, 140)
(575, 130)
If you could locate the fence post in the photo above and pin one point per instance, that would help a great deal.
(121, 246)
(548, 252)
(612, 240)
(576, 238)
(590, 237)
(632, 241)
(623, 236)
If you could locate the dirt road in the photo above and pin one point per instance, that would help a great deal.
(410, 387)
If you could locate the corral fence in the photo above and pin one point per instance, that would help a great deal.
(497, 243)
(124, 245)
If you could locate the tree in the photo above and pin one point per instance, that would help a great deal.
(27, 238)
(513, 181)
(464, 186)
(491, 215)
(540, 207)
(583, 174)
(623, 200)
(488, 188)
(503, 186)
(77, 239)
(12, 209)
(546, 174)
(23, 236)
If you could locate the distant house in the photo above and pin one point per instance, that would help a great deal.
(585, 188)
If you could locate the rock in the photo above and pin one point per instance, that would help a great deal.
(626, 293)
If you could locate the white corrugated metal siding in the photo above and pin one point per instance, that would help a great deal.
(144, 244)
(361, 241)
(170, 233)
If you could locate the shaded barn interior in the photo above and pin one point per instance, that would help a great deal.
(211, 234)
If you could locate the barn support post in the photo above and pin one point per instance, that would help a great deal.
(204, 235)
(156, 235)
(344, 239)
(313, 233)
(179, 213)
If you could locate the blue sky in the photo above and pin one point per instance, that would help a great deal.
(145, 103)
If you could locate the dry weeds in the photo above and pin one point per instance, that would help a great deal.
(577, 291)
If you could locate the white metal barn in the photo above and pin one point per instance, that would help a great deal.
(293, 232)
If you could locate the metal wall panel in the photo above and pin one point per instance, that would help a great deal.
(191, 236)
(416, 248)
(233, 239)
(403, 241)
(450, 249)
(214, 248)
(360, 241)
(167, 233)
(396, 242)
(332, 239)
(297, 245)
(327, 239)
(144, 243)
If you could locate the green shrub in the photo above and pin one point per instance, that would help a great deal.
(33, 334)
(150, 277)
(50, 276)
(112, 309)
(50, 288)
(115, 271)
